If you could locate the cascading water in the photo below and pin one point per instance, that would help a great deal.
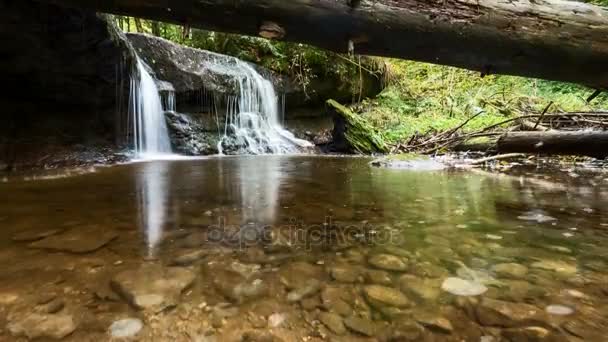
(150, 134)
(252, 118)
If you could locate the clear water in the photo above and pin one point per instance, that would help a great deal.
(149, 128)
(253, 231)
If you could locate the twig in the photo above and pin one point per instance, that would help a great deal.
(497, 157)
(543, 114)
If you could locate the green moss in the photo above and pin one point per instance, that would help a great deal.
(359, 134)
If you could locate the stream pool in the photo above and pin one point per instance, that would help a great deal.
(304, 248)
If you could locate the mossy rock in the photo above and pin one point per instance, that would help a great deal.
(352, 133)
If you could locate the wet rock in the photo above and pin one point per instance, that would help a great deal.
(434, 322)
(35, 326)
(125, 328)
(333, 302)
(406, 331)
(420, 289)
(250, 289)
(463, 287)
(77, 240)
(53, 306)
(310, 303)
(152, 287)
(360, 325)
(308, 288)
(378, 277)
(388, 262)
(491, 312)
(428, 270)
(333, 322)
(559, 310)
(276, 320)
(188, 257)
(557, 266)
(510, 270)
(379, 295)
(245, 270)
(33, 235)
(345, 274)
(297, 273)
(527, 334)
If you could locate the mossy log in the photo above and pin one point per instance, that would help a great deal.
(551, 39)
(352, 133)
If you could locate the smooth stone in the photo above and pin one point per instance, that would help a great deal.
(297, 273)
(8, 298)
(463, 287)
(527, 334)
(276, 320)
(310, 303)
(53, 306)
(388, 262)
(77, 240)
(360, 325)
(510, 270)
(435, 323)
(152, 287)
(560, 310)
(556, 266)
(491, 312)
(406, 331)
(378, 277)
(387, 296)
(344, 274)
(308, 288)
(250, 289)
(127, 327)
(333, 322)
(33, 235)
(332, 302)
(427, 269)
(245, 270)
(56, 326)
(189, 257)
(420, 289)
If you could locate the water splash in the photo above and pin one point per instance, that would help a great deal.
(150, 134)
(252, 117)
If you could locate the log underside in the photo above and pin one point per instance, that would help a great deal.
(550, 39)
(589, 143)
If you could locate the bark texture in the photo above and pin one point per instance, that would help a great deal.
(590, 143)
(551, 39)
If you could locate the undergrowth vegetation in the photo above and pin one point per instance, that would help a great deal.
(422, 97)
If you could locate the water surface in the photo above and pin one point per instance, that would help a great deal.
(306, 247)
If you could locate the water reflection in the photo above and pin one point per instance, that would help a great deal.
(152, 200)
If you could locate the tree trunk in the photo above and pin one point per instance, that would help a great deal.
(138, 26)
(155, 27)
(552, 39)
(589, 143)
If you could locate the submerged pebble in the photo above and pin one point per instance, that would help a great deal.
(127, 327)
(462, 287)
(560, 310)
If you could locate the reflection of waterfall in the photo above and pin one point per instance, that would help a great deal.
(150, 134)
(152, 195)
(252, 118)
(260, 181)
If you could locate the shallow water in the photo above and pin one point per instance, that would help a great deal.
(294, 247)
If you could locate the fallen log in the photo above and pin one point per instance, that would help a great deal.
(588, 143)
(551, 39)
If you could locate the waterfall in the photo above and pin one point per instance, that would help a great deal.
(150, 134)
(252, 117)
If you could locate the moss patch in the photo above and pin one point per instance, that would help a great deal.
(358, 134)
